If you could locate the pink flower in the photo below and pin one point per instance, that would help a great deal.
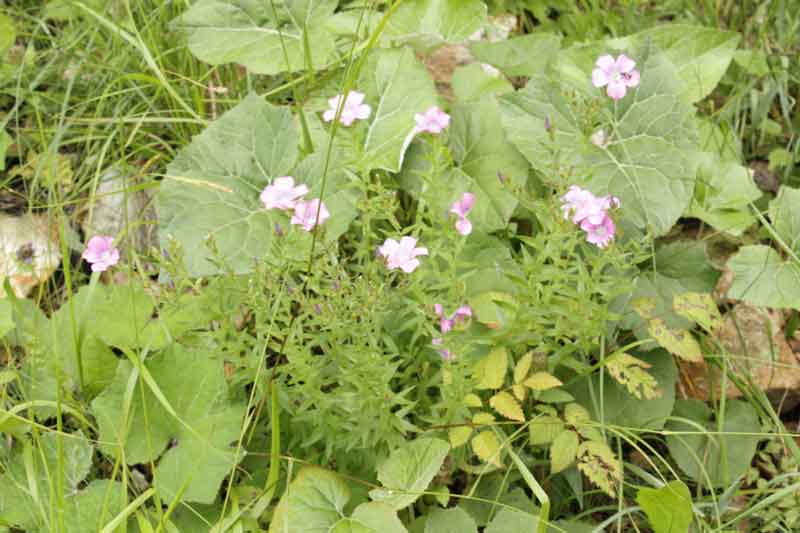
(617, 74)
(461, 208)
(402, 255)
(599, 234)
(433, 120)
(586, 206)
(353, 109)
(282, 193)
(101, 253)
(305, 214)
(459, 316)
(444, 352)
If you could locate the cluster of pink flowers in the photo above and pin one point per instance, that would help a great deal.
(353, 108)
(591, 213)
(101, 253)
(446, 324)
(282, 193)
(616, 75)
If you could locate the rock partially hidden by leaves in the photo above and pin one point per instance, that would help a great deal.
(117, 205)
(757, 352)
(29, 252)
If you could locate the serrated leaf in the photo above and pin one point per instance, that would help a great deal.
(313, 501)
(563, 450)
(487, 447)
(455, 520)
(472, 400)
(632, 373)
(193, 384)
(677, 341)
(762, 278)
(459, 435)
(520, 392)
(506, 405)
(599, 464)
(247, 33)
(402, 87)
(429, 23)
(576, 415)
(492, 369)
(700, 308)
(645, 163)
(526, 55)
(378, 518)
(542, 381)
(669, 508)
(211, 190)
(481, 419)
(522, 367)
(544, 428)
(408, 471)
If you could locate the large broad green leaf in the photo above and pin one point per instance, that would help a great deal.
(455, 520)
(28, 479)
(761, 277)
(512, 521)
(701, 54)
(480, 147)
(202, 429)
(313, 502)
(211, 191)
(92, 508)
(471, 83)
(646, 160)
(669, 509)
(378, 517)
(248, 33)
(723, 454)
(402, 88)
(620, 407)
(784, 212)
(527, 55)
(428, 23)
(408, 471)
(724, 187)
(679, 267)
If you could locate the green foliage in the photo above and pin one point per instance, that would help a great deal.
(409, 471)
(455, 520)
(721, 455)
(669, 508)
(429, 23)
(265, 39)
(174, 407)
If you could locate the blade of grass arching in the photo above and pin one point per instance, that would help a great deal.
(137, 43)
(125, 513)
(33, 482)
(766, 502)
(538, 491)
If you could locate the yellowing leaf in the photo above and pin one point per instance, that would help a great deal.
(698, 307)
(522, 367)
(576, 414)
(459, 435)
(472, 400)
(540, 381)
(544, 428)
(600, 465)
(506, 405)
(677, 341)
(520, 392)
(632, 373)
(487, 446)
(482, 419)
(492, 369)
(563, 450)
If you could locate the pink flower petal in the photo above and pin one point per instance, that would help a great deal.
(463, 226)
(625, 64)
(632, 78)
(616, 90)
(606, 62)
(599, 78)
